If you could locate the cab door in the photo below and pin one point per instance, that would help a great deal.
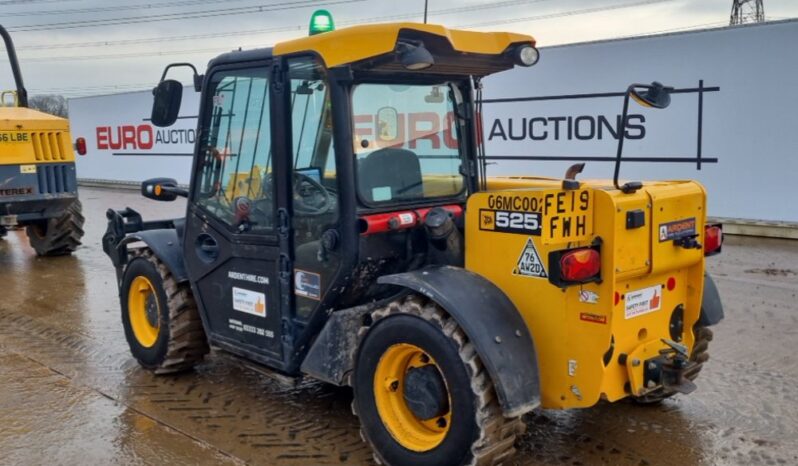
(232, 244)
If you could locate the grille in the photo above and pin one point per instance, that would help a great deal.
(55, 178)
(48, 146)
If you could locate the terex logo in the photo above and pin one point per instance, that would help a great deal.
(16, 191)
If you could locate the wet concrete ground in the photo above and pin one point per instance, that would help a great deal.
(71, 394)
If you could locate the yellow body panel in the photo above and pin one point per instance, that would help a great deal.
(28, 136)
(574, 328)
(357, 43)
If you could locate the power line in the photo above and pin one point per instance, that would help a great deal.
(566, 13)
(126, 55)
(30, 2)
(712, 25)
(367, 20)
(150, 40)
(178, 16)
(92, 90)
(441, 12)
(137, 6)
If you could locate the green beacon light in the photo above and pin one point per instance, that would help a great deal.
(321, 21)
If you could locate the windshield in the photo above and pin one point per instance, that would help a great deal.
(406, 142)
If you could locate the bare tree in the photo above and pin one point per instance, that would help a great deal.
(50, 103)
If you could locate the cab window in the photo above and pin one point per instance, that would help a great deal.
(406, 142)
(315, 189)
(235, 163)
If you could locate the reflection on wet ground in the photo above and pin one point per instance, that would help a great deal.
(70, 392)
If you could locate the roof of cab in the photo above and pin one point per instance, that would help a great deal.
(352, 44)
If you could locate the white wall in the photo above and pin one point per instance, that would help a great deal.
(749, 125)
(123, 145)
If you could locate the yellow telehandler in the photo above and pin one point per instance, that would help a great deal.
(340, 226)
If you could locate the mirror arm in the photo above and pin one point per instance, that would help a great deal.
(197, 77)
(622, 135)
(176, 190)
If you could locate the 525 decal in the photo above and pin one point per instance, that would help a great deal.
(505, 221)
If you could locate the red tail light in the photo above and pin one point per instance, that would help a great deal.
(713, 239)
(580, 265)
(80, 146)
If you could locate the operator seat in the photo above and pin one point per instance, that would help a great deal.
(391, 174)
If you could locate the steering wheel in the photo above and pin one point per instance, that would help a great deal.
(311, 198)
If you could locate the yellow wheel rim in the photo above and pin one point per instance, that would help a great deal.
(144, 311)
(405, 427)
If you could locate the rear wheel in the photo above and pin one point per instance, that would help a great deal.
(422, 393)
(58, 236)
(160, 318)
(700, 355)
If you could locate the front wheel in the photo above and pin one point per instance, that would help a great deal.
(160, 318)
(422, 393)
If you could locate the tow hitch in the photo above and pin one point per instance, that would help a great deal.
(669, 369)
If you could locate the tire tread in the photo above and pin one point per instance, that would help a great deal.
(63, 235)
(188, 343)
(495, 442)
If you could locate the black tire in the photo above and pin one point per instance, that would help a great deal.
(58, 236)
(478, 433)
(181, 342)
(700, 355)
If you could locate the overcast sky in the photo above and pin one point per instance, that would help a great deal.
(67, 47)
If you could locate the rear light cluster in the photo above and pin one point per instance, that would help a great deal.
(573, 266)
(713, 239)
(80, 146)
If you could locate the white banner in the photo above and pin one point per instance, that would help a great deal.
(122, 143)
(731, 123)
(733, 114)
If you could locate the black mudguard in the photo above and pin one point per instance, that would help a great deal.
(711, 307)
(161, 236)
(165, 245)
(492, 324)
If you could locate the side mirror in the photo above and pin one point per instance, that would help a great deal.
(166, 103)
(387, 124)
(655, 95)
(162, 189)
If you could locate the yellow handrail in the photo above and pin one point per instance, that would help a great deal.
(3, 98)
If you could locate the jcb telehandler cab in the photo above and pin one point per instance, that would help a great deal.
(38, 187)
(340, 226)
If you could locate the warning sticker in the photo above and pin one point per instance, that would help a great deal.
(307, 284)
(595, 318)
(677, 230)
(529, 264)
(637, 303)
(589, 297)
(249, 301)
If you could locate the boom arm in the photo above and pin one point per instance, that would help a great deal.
(22, 93)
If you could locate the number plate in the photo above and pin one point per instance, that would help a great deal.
(555, 216)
